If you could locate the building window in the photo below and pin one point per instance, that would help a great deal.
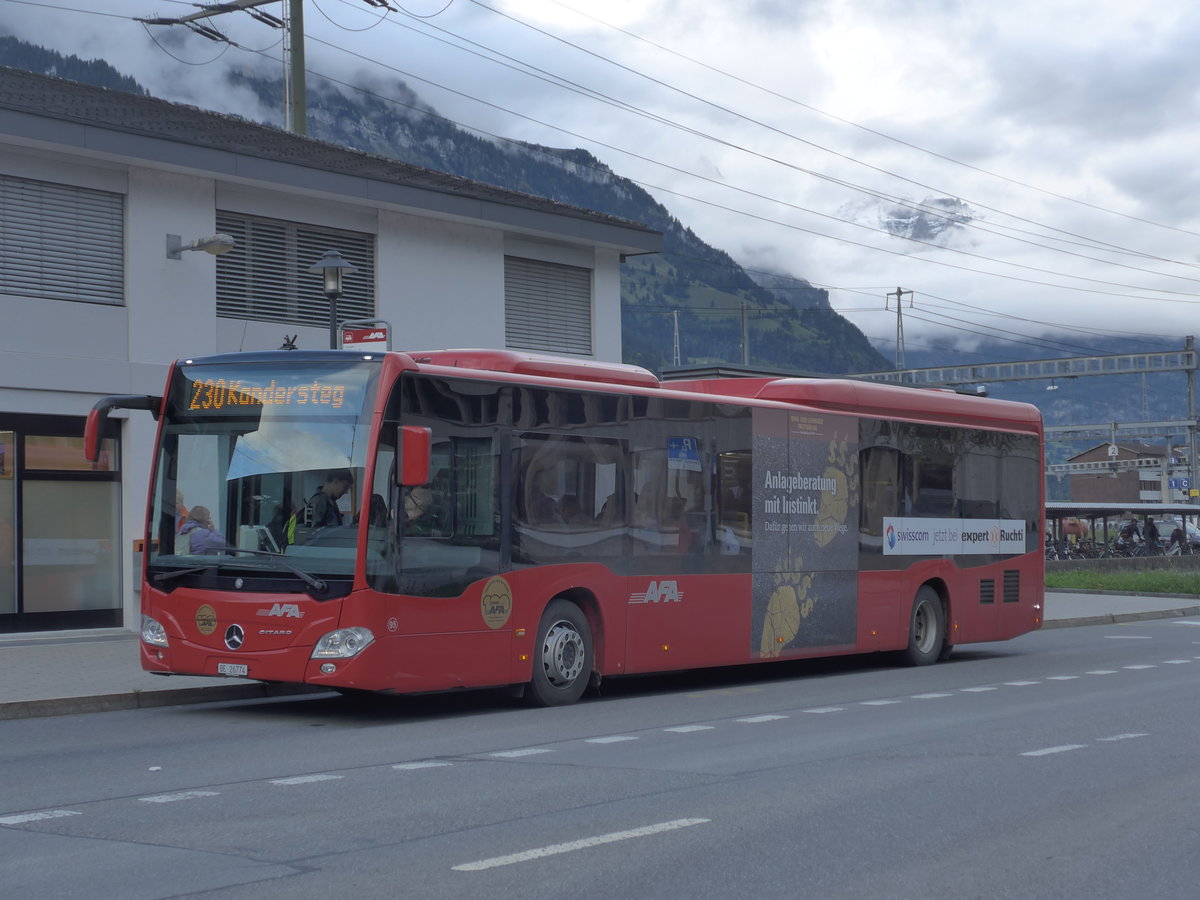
(547, 306)
(61, 242)
(60, 566)
(266, 277)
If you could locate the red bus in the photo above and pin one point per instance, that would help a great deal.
(404, 522)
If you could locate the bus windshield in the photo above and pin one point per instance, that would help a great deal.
(259, 471)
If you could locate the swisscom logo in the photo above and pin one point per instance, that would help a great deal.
(891, 537)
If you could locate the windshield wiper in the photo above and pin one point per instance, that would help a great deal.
(315, 583)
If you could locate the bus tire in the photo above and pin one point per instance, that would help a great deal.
(926, 629)
(562, 657)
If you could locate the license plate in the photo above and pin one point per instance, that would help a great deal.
(232, 669)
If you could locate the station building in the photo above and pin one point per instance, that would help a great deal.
(105, 201)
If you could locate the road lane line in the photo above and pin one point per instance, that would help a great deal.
(1061, 677)
(818, 710)
(1124, 737)
(688, 729)
(611, 739)
(582, 844)
(931, 696)
(425, 764)
(1139, 667)
(1046, 751)
(1021, 683)
(1175, 662)
(38, 816)
(754, 720)
(980, 689)
(879, 702)
(1127, 637)
(181, 795)
(305, 779)
(517, 754)
(1103, 672)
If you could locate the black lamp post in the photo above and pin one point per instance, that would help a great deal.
(332, 267)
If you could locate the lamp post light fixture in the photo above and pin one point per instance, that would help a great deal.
(217, 245)
(332, 267)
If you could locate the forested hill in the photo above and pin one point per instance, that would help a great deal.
(791, 326)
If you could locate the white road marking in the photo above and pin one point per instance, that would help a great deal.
(181, 795)
(688, 729)
(1175, 662)
(1048, 750)
(581, 844)
(1021, 683)
(1128, 637)
(611, 739)
(38, 816)
(978, 690)
(1185, 622)
(426, 764)
(879, 702)
(516, 754)
(1061, 677)
(754, 720)
(932, 696)
(1103, 672)
(824, 709)
(305, 779)
(1139, 667)
(1124, 737)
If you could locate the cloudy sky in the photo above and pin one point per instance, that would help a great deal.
(784, 131)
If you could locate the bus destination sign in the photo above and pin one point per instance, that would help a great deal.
(208, 390)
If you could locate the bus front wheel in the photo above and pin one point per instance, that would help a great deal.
(926, 629)
(562, 659)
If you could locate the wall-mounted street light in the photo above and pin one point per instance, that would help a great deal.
(217, 245)
(332, 267)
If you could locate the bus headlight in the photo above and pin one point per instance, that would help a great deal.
(153, 633)
(343, 643)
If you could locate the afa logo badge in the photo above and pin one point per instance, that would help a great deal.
(206, 619)
(496, 602)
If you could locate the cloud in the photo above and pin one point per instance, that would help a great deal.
(1022, 104)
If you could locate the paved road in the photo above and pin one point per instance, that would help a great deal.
(1060, 764)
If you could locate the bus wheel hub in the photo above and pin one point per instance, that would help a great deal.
(562, 654)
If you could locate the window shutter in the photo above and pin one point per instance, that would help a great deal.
(265, 277)
(547, 307)
(61, 242)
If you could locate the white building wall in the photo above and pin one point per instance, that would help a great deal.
(440, 283)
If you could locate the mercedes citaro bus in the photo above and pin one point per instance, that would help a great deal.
(507, 518)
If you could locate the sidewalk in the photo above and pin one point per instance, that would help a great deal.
(63, 673)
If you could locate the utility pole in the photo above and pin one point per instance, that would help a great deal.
(675, 360)
(899, 294)
(296, 111)
(745, 338)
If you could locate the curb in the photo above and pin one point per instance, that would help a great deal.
(1118, 618)
(69, 706)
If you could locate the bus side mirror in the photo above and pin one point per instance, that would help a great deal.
(415, 449)
(93, 432)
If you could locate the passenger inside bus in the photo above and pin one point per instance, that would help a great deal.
(203, 538)
(419, 512)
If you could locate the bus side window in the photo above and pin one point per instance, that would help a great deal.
(881, 492)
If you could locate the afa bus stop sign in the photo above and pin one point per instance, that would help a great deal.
(370, 338)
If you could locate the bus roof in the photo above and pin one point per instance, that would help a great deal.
(844, 395)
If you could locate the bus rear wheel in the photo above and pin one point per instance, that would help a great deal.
(926, 629)
(562, 659)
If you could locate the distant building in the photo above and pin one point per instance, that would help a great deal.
(96, 186)
(1129, 472)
